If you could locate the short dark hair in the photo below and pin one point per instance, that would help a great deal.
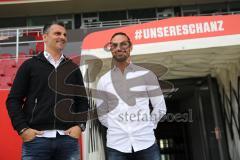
(47, 26)
(121, 33)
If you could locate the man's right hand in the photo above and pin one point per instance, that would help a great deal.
(29, 134)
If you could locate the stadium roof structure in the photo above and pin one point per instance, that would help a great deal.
(50, 7)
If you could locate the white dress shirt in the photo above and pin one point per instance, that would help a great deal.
(130, 123)
(52, 133)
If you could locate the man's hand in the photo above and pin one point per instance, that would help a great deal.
(74, 132)
(29, 134)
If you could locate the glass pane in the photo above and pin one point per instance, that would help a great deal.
(161, 144)
(112, 16)
(13, 22)
(65, 16)
(40, 21)
(67, 23)
(142, 13)
(212, 8)
(92, 14)
(234, 6)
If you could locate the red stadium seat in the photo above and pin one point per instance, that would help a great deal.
(5, 55)
(10, 71)
(8, 63)
(2, 71)
(8, 67)
(6, 82)
(39, 45)
(11, 63)
(12, 79)
(22, 54)
(20, 61)
(31, 33)
(2, 68)
(31, 52)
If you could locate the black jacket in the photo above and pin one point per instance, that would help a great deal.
(36, 90)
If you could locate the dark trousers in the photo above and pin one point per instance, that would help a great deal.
(59, 148)
(151, 153)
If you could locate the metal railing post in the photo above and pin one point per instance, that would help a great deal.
(17, 44)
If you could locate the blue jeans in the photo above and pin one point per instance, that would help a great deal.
(59, 148)
(151, 153)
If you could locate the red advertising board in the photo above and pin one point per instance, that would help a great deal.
(10, 142)
(172, 29)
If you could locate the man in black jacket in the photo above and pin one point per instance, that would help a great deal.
(36, 101)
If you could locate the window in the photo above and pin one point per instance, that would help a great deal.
(212, 8)
(165, 12)
(112, 16)
(90, 14)
(13, 22)
(89, 19)
(78, 20)
(67, 20)
(235, 6)
(190, 10)
(40, 20)
(142, 13)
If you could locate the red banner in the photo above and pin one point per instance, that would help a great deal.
(171, 29)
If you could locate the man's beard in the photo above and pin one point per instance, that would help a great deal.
(121, 58)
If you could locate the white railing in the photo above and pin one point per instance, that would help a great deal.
(16, 33)
(11, 32)
(105, 24)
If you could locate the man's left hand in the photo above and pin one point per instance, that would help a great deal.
(74, 132)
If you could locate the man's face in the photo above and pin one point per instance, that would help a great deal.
(120, 48)
(55, 39)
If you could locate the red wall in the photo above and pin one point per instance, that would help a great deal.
(10, 142)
